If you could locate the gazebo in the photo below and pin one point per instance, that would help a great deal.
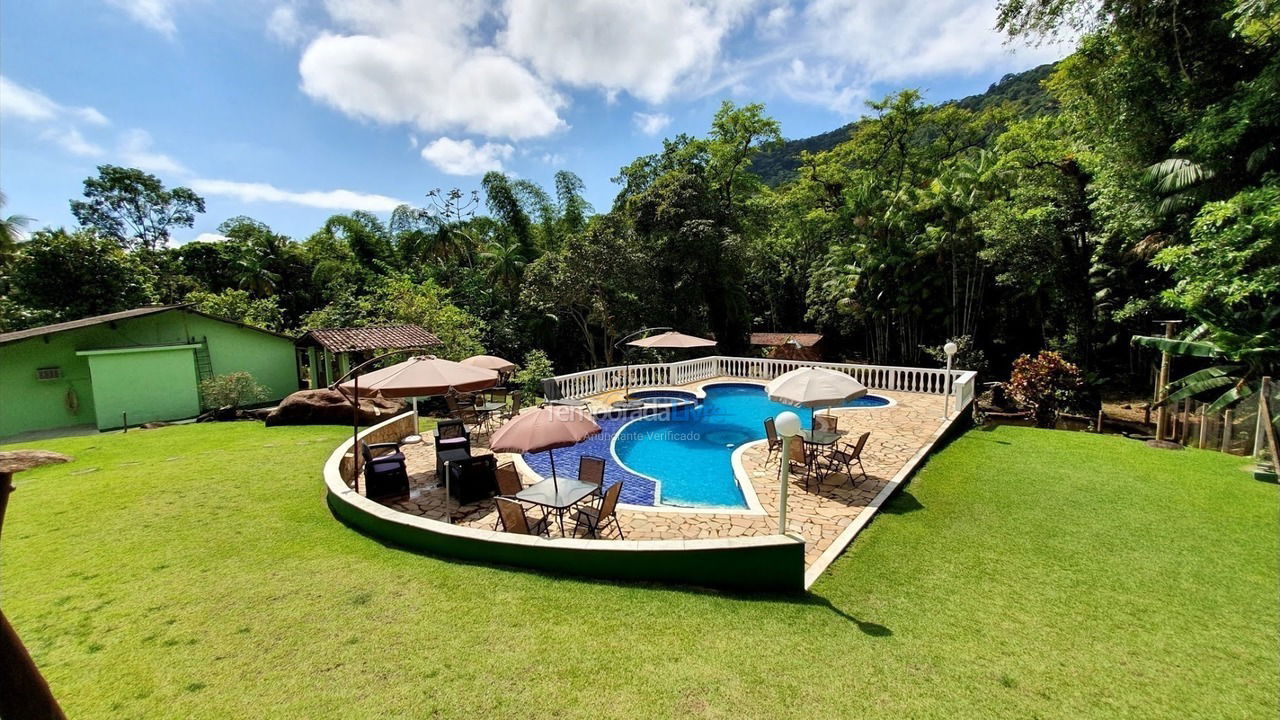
(332, 352)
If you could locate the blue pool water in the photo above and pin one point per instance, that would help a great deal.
(689, 450)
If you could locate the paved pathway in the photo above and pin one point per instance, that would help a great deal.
(817, 509)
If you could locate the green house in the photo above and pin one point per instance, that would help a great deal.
(135, 366)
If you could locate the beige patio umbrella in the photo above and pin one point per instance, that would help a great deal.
(543, 430)
(421, 376)
(672, 339)
(667, 340)
(814, 387)
(490, 362)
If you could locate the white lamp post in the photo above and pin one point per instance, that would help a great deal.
(788, 426)
(950, 349)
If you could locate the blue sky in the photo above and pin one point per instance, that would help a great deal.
(292, 110)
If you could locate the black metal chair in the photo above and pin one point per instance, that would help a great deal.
(385, 473)
(771, 434)
(846, 459)
(515, 520)
(594, 519)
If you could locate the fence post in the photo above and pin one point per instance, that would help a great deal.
(1204, 426)
(1259, 428)
(1227, 418)
(1186, 421)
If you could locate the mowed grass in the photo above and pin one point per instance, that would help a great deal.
(195, 572)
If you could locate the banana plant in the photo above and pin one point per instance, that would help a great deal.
(1242, 358)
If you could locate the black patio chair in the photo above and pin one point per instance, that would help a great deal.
(385, 473)
(472, 479)
(551, 391)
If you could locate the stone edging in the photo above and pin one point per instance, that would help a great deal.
(773, 563)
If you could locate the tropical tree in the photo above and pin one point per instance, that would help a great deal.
(12, 232)
(134, 208)
(69, 275)
(1239, 359)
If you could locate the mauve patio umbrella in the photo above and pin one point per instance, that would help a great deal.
(814, 387)
(422, 376)
(490, 362)
(543, 430)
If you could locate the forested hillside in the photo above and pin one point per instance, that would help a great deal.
(1025, 90)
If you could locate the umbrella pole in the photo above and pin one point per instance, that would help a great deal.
(554, 483)
(355, 435)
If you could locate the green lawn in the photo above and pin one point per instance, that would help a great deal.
(195, 572)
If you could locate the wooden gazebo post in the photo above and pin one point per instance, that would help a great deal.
(23, 691)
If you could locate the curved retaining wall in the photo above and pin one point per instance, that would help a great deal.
(774, 563)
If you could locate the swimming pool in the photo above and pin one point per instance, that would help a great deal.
(689, 451)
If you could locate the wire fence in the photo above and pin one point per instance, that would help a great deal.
(1239, 430)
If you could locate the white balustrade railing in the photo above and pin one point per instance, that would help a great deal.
(932, 381)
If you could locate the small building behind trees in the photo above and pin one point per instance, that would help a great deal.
(328, 353)
(789, 346)
(143, 364)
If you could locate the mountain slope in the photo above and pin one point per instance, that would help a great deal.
(1023, 89)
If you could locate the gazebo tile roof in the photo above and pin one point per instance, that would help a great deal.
(356, 339)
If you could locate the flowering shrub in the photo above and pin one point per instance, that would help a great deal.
(231, 390)
(1047, 382)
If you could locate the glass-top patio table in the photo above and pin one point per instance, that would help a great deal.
(558, 495)
(819, 440)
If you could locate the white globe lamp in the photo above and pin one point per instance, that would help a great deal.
(787, 424)
(950, 349)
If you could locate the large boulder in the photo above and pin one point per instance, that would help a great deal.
(330, 407)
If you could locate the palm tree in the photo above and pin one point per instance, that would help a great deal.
(506, 263)
(12, 233)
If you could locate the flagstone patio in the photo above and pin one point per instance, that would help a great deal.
(818, 510)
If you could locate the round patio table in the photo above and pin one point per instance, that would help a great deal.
(558, 495)
(818, 439)
(486, 410)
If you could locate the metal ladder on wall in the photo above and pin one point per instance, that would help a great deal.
(204, 365)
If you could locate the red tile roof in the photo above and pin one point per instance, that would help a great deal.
(390, 337)
(776, 339)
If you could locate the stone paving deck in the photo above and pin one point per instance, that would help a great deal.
(818, 510)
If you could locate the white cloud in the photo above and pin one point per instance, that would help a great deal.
(772, 23)
(72, 141)
(28, 104)
(651, 123)
(286, 26)
(155, 14)
(249, 192)
(209, 237)
(135, 150)
(822, 84)
(416, 63)
(553, 159)
(894, 40)
(463, 157)
(646, 50)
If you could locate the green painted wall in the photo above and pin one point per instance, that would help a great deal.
(30, 404)
(169, 391)
(272, 360)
